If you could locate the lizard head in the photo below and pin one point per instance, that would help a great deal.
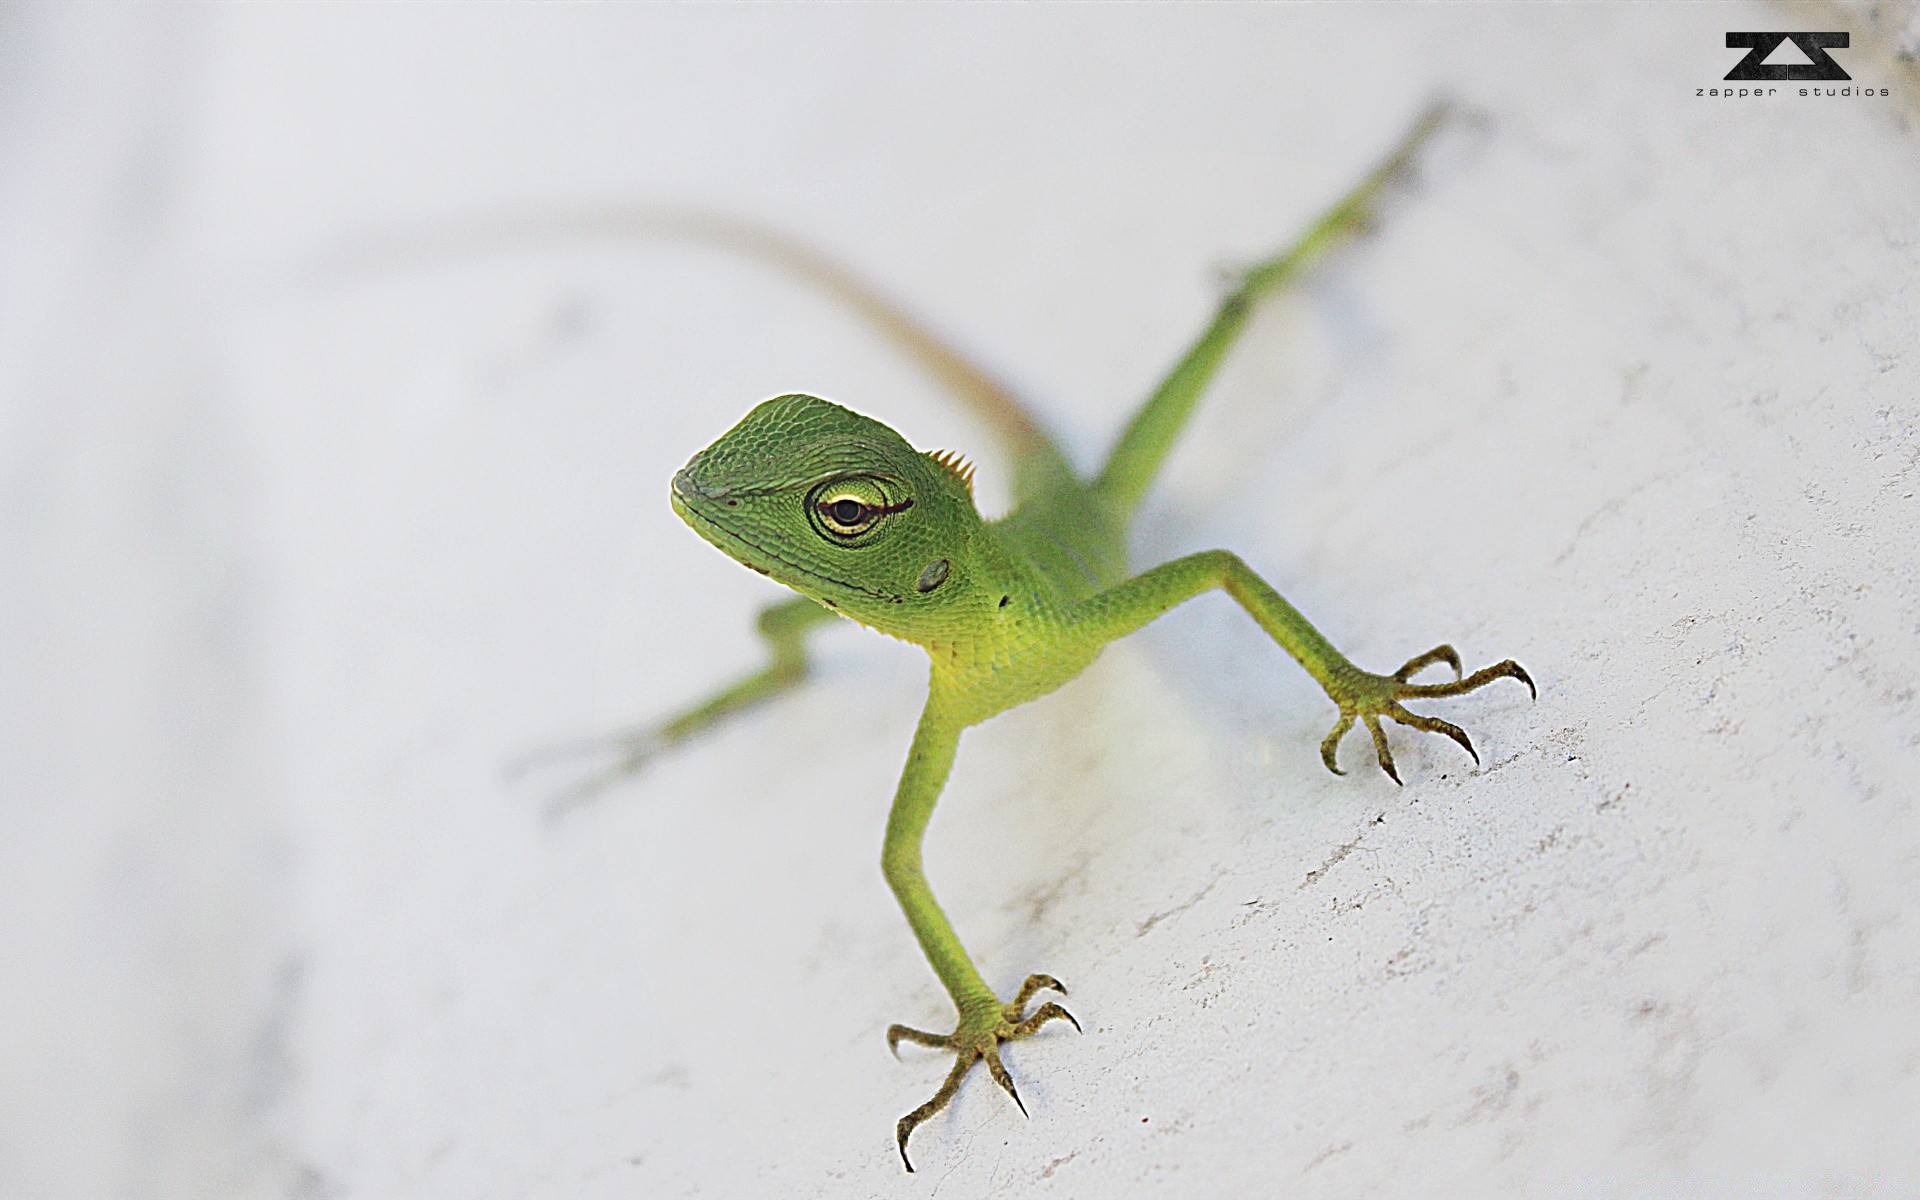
(840, 508)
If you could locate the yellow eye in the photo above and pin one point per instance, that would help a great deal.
(848, 514)
(848, 508)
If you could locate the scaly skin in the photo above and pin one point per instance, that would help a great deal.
(842, 510)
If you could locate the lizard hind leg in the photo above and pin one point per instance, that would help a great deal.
(1151, 432)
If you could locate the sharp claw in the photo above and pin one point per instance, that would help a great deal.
(1331, 743)
(1519, 672)
(1456, 734)
(1380, 749)
(900, 1133)
(1508, 669)
(998, 1070)
(1035, 983)
(1479, 679)
(1466, 743)
(1436, 725)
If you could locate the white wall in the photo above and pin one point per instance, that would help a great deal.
(294, 557)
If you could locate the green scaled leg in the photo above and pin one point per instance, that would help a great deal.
(783, 626)
(984, 1021)
(1148, 438)
(1361, 695)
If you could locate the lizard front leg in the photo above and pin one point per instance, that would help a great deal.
(984, 1022)
(1361, 695)
(783, 626)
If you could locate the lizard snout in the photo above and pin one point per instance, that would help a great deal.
(690, 488)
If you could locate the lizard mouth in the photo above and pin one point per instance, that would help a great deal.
(686, 509)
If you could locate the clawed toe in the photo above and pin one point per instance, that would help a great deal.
(1435, 725)
(1508, 669)
(1046, 1012)
(1439, 654)
(1036, 983)
(951, 1085)
(919, 1037)
(998, 1070)
(1380, 749)
(1332, 743)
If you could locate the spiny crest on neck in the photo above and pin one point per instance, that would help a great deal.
(956, 465)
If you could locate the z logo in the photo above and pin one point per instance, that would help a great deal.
(1814, 45)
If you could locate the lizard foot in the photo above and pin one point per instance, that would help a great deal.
(977, 1039)
(626, 754)
(1367, 698)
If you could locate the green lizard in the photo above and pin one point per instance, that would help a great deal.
(841, 509)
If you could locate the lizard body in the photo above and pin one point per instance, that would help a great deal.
(843, 510)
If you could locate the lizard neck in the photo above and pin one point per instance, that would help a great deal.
(1016, 643)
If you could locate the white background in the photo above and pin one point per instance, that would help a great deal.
(294, 557)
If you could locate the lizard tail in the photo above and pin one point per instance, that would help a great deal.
(986, 397)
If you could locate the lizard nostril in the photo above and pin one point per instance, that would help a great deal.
(692, 489)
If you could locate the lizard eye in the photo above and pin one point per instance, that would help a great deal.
(850, 514)
(846, 508)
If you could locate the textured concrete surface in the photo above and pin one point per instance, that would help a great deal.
(294, 559)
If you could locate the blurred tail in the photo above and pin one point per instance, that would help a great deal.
(991, 401)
